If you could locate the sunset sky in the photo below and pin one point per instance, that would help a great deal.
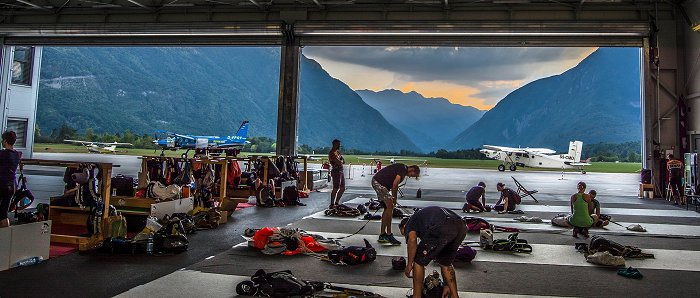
(478, 77)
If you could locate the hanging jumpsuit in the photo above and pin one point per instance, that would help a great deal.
(581, 217)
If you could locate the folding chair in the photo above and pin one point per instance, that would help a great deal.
(523, 192)
(401, 185)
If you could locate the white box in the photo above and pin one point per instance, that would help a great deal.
(5, 246)
(28, 240)
(167, 208)
(284, 184)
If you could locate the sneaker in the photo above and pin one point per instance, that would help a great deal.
(383, 239)
(390, 238)
(584, 232)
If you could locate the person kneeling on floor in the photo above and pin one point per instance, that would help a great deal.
(509, 199)
(473, 195)
(581, 218)
(603, 219)
(441, 232)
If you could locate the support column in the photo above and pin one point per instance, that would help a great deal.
(288, 105)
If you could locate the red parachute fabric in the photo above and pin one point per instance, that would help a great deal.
(261, 236)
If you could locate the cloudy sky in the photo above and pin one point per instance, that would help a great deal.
(477, 77)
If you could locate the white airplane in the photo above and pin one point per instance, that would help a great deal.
(537, 157)
(99, 147)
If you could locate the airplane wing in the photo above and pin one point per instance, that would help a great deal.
(120, 144)
(540, 150)
(504, 149)
(78, 142)
(182, 136)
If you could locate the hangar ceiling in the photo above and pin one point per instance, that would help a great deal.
(333, 22)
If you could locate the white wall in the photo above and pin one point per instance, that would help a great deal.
(19, 101)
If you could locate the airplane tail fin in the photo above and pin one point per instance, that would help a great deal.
(575, 148)
(243, 130)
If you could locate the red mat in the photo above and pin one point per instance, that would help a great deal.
(59, 249)
(244, 205)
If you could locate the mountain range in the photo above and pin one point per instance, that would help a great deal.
(203, 90)
(429, 122)
(210, 90)
(596, 101)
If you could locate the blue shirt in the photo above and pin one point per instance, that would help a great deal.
(9, 161)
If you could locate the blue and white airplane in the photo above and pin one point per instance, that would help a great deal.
(174, 141)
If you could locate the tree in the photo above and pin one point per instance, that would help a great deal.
(66, 132)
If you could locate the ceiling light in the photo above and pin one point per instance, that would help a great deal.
(696, 28)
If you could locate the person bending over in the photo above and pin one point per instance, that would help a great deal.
(386, 184)
(473, 199)
(581, 218)
(9, 161)
(602, 219)
(508, 200)
(336, 160)
(441, 232)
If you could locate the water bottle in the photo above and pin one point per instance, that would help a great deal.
(29, 261)
(149, 246)
(419, 193)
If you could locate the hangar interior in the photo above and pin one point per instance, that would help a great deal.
(667, 31)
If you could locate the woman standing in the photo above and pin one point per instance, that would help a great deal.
(9, 161)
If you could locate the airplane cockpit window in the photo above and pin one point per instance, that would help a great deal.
(525, 155)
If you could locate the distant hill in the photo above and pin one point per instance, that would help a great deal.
(596, 101)
(429, 122)
(203, 90)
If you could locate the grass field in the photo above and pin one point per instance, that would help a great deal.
(601, 167)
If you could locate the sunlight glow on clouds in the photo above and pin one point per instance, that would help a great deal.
(478, 77)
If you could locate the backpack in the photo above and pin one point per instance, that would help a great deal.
(276, 284)
(512, 195)
(353, 255)
(123, 186)
(433, 285)
(465, 254)
(343, 210)
(290, 195)
(170, 238)
(600, 244)
(475, 224)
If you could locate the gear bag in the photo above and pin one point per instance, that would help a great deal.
(276, 284)
(353, 255)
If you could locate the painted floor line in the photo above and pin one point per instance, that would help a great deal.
(189, 283)
(543, 254)
(653, 230)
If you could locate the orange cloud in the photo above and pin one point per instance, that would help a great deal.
(458, 94)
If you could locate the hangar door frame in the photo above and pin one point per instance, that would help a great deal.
(292, 37)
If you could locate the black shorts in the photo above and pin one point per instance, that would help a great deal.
(441, 243)
(338, 178)
(7, 192)
(676, 185)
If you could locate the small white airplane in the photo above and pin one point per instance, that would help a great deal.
(537, 157)
(99, 147)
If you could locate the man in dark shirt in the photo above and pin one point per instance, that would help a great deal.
(473, 196)
(508, 200)
(441, 232)
(336, 160)
(386, 184)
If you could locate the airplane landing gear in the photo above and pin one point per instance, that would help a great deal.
(501, 168)
(513, 168)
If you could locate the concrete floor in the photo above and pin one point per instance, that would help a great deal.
(218, 259)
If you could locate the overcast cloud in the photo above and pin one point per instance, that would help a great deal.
(470, 76)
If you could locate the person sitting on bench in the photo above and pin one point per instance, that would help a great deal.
(603, 220)
(473, 195)
(581, 218)
(508, 201)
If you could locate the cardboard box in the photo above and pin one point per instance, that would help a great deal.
(224, 217)
(24, 241)
(159, 210)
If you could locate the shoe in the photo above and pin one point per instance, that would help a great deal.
(392, 240)
(584, 232)
(383, 239)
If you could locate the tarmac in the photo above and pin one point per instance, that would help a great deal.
(218, 259)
